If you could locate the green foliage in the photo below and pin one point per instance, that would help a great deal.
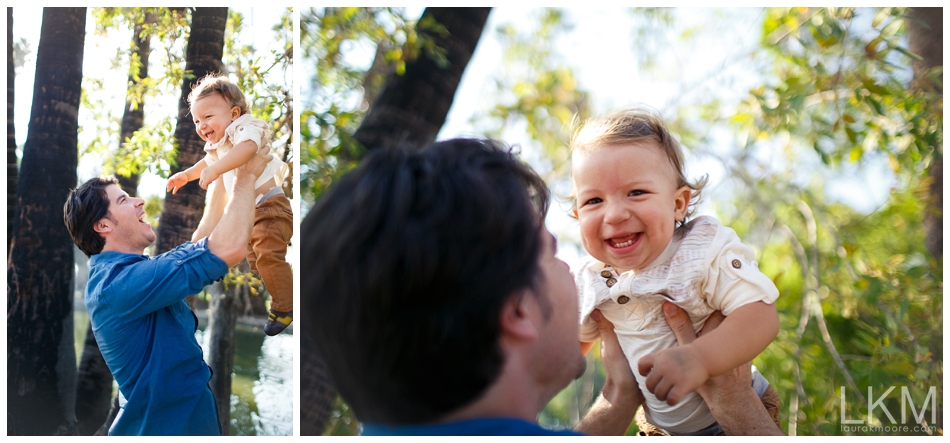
(151, 148)
(844, 92)
(861, 303)
(266, 80)
(346, 80)
(537, 92)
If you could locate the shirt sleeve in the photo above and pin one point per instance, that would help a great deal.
(146, 286)
(254, 130)
(734, 278)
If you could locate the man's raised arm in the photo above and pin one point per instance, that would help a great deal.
(228, 240)
(614, 408)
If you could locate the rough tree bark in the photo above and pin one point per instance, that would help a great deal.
(412, 107)
(182, 211)
(11, 137)
(41, 360)
(227, 303)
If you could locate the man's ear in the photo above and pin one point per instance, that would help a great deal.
(102, 226)
(519, 315)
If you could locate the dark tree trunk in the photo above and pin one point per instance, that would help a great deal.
(133, 116)
(223, 313)
(182, 211)
(93, 387)
(227, 303)
(41, 360)
(110, 418)
(412, 107)
(11, 137)
(925, 29)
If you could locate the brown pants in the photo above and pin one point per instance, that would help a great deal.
(769, 398)
(273, 227)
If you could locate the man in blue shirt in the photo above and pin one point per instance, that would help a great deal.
(136, 303)
(432, 291)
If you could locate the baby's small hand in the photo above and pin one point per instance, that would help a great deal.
(176, 181)
(207, 177)
(673, 373)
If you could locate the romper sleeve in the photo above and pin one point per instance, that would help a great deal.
(734, 278)
(149, 285)
(253, 129)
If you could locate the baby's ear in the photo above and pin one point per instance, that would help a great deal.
(235, 112)
(681, 202)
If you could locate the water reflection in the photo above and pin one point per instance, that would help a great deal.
(262, 382)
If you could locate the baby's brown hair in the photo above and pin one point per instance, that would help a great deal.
(219, 83)
(632, 126)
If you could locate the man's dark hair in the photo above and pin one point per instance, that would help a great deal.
(85, 206)
(407, 262)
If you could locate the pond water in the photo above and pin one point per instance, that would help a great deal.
(262, 387)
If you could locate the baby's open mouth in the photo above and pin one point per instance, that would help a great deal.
(623, 241)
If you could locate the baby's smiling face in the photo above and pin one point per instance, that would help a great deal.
(213, 114)
(627, 203)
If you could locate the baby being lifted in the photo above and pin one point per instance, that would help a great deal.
(632, 201)
(232, 138)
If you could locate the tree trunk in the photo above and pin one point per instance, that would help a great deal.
(132, 118)
(93, 388)
(11, 137)
(41, 360)
(182, 211)
(223, 313)
(412, 107)
(925, 30)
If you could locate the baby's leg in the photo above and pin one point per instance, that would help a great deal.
(273, 227)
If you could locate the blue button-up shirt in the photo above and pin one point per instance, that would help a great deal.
(146, 332)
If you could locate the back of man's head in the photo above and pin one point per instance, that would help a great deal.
(407, 261)
(85, 206)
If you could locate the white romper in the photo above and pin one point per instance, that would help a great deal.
(244, 128)
(706, 270)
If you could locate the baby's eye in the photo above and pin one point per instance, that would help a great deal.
(637, 192)
(592, 201)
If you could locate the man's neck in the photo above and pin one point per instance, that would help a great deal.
(513, 394)
(122, 249)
